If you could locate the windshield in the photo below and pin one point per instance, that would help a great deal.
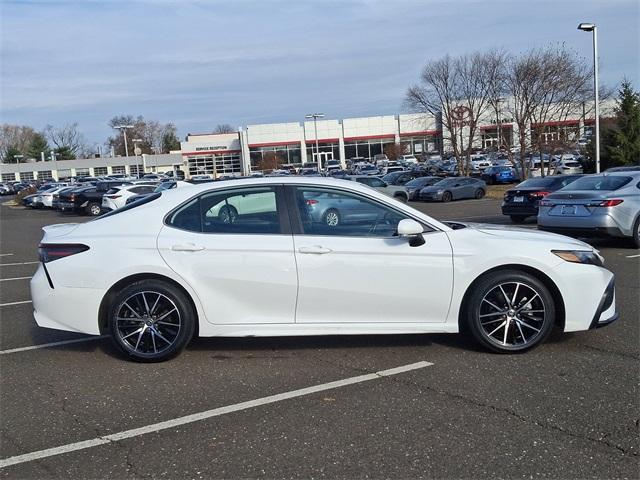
(598, 182)
(445, 182)
(422, 181)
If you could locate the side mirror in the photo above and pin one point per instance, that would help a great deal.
(412, 230)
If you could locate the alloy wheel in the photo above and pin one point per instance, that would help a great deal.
(512, 314)
(148, 322)
(332, 219)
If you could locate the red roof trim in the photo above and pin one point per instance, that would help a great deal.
(423, 132)
(369, 137)
(555, 123)
(207, 152)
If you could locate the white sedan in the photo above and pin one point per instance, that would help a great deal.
(117, 196)
(177, 262)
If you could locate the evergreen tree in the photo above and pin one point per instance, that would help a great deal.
(12, 153)
(64, 153)
(38, 144)
(170, 142)
(625, 145)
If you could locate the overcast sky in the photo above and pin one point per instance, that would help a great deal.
(199, 63)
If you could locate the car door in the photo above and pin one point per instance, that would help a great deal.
(361, 271)
(234, 247)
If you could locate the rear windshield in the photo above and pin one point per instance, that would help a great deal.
(598, 182)
(539, 182)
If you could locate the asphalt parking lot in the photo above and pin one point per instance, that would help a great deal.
(568, 409)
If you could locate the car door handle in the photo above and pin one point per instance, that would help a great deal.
(187, 247)
(316, 249)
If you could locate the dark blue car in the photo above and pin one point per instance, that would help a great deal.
(499, 174)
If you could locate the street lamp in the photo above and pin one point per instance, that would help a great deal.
(591, 27)
(135, 151)
(315, 117)
(124, 133)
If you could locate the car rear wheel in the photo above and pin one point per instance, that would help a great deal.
(228, 214)
(93, 209)
(151, 321)
(332, 218)
(636, 232)
(446, 197)
(518, 218)
(509, 311)
(479, 194)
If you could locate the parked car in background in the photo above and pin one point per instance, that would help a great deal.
(333, 165)
(522, 201)
(117, 197)
(55, 199)
(167, 185)
(398, 192)
(408, 159)
(626, 168)
(595, 205)
(401, 178)
(495, 174)
(454, 189)
(380, 159)
(414, 186)
(45, 199)
(367, 169)
(479, 162)
(566, 166)
(5, 189)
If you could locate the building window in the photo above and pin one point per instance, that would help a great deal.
(264, 158)
(121, 169)
(45, 175)
(8, 177)
(64, 174)
(28, 176)
(82, 172)
(100, 171)
(215, 165)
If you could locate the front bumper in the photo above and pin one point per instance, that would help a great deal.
(606, 313)
(426, 196)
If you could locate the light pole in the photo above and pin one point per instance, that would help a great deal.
(315, 117)
(135, 151)
(591, 27)
(124, 133)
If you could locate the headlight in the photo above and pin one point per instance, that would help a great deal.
(440, 191)
(580, 256)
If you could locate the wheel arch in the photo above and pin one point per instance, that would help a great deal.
(545, 279)
(119, 285)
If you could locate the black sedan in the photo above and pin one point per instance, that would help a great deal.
(522, 201)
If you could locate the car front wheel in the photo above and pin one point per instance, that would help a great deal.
(446, 197)
(509, 311)
(151, 321)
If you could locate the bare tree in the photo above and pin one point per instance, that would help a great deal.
(224, 128)
(15, 137)
(66, 137)
(460, 89)
(151, 133)
(271, 161)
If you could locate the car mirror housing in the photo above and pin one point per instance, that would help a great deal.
(412, 230)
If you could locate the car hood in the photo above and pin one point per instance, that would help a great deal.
(508, 232)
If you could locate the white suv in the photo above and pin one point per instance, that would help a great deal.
(117, 196)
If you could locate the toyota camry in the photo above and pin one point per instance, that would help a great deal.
(308, 256)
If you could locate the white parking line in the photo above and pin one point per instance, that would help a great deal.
(14, 303)
(15, 278)
(19, 263)
(5, 254)
(176, 422)
(633, 256)
(52, 344)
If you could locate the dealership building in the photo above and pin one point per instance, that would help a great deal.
(297, 143)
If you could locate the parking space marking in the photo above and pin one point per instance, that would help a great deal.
(19, 263)
(5, 254)
(14, 303)
(15, 278)
(176, 422)
(52, 344)
(633, 256)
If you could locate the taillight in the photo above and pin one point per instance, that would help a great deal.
(539, 194)
(609, 203)
(311, 202)
(113, 196)
(73, 197)
(49, 252)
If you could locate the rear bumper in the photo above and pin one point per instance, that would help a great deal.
(519, 209)
(588, 226)
(63, 308)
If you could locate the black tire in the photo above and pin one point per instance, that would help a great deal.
(173, 332)
(401, 198)
(479, 194)
(93, 209)
(518, 218)
(228, 214)
(331, 218)
(525, 327)
(636, 232)
(446, 197)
